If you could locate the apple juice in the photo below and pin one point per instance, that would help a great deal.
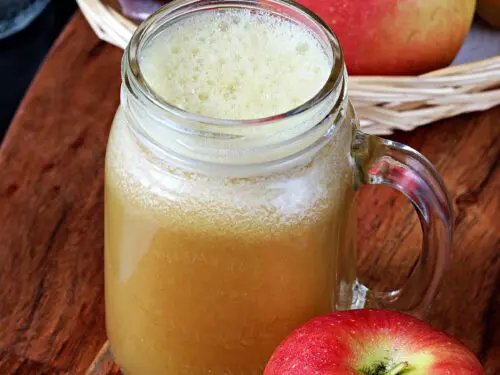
(207, 272)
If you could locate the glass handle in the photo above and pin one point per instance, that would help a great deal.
(380, 161)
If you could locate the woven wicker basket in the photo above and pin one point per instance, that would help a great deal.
(384, 104)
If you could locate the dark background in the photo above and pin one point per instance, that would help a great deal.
(21, 55)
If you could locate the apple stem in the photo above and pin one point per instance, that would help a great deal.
(397, 369)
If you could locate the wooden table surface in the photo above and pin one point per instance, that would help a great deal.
(51, 217)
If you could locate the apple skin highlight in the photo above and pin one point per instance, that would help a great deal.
(370, 342)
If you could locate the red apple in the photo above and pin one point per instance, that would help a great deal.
(370, 342)
(489, 10)
(396, 37)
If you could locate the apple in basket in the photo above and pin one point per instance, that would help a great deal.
(370, 342)
(397, 37)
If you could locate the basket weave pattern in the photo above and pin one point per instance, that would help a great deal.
(384, 104)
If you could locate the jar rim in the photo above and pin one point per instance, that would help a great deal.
(138, 85)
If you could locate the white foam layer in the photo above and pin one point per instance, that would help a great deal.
(235, 64)
(305, 193)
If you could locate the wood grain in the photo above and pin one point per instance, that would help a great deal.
(466, 150)
(51, 197)
(12, 364)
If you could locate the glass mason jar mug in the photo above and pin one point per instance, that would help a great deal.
(222, 236)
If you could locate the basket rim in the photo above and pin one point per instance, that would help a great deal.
(383, 103)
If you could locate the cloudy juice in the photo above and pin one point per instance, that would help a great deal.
(207, 273)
